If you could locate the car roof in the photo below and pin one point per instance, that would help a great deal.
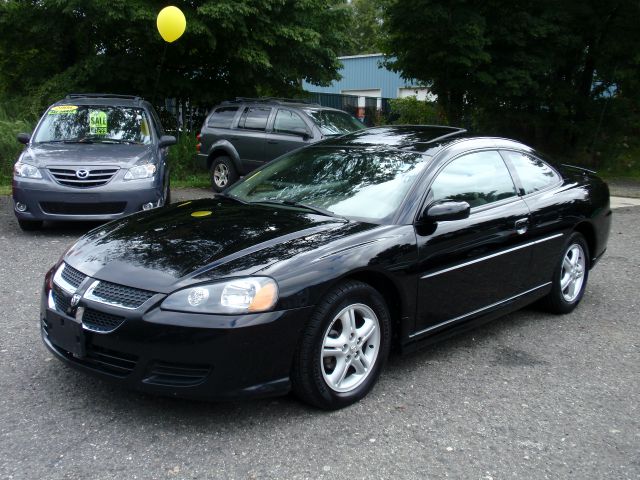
(428, 139)
(105, 99)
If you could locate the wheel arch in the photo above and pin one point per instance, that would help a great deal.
(589, 233)
(389, 292)
(222, 150)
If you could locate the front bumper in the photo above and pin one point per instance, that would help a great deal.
(47, 200)
(182, 354)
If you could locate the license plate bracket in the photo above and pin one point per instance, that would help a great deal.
(67, 333)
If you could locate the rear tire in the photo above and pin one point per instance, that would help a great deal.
(30, 225)
(570, 276)
(343, 347)
(223, 173)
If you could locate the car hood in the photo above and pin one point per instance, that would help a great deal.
(201, 240)
(59, 154)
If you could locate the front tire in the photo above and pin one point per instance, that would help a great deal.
(343, 348)
(570, 276)
(30, 225)
(223, 173)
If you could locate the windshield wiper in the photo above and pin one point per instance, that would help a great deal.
(78, 140)
(118, 140)
(291, 203)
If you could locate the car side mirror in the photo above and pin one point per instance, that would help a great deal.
(167, 141)
(302, 132)
(446, 210)
(23, 138)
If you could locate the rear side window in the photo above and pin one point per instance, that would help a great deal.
(534, 174)
(255, 118)
(289, 122)
(476, 178)
(222, 117)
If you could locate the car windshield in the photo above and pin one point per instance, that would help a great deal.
(332, 122)
(350, 182)
(93, 124)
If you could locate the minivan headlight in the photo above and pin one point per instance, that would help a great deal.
(140, 171)
(238, 295)
(25, 170)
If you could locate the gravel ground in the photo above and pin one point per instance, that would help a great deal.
(530, 396)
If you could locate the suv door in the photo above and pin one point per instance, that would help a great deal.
(288, 132)
(249, 137)
(467, 266)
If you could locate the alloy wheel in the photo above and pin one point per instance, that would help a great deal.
(572, 273)
(350, 347)
(221, 175)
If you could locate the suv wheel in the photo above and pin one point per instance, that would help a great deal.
(223, 173)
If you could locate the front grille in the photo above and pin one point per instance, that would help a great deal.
(100, 321)
(61, 300)
(66, 208)
(72, 276)
(115, 294)
(94, 177)
(177, 374)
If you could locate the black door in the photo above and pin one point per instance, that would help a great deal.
(467, 266)
(249, 138)
(289, 132)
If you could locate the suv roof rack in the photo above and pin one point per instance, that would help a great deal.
(277, 100)
(103, 95)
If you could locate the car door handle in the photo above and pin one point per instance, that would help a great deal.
(522, 225)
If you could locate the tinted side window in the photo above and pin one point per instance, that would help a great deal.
(477, 178)
(222, 117)
(255, 118)
(534, 174)
(289, 122)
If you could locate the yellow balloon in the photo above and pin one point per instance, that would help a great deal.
(171, 23)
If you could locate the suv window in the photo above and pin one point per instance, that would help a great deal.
(222, 117)
(254, 118)
(289, 122)
(534, 174)
(156, 121)
(477, 178)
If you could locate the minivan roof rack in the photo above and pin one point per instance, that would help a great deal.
(279, 100)
(103, 95)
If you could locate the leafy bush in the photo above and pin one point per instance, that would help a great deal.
(181, 157)
(9, 146)
(411, 111)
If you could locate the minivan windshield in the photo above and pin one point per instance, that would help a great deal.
(332, 122)
(349, 182)
(94, 124)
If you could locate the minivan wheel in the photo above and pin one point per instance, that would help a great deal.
(223, 173)
(343, 348)
(570, 276)
(30, 225)
(166, 196)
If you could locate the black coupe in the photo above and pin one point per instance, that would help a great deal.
(303, 275)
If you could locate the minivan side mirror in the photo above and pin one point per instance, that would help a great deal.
(302, 132)
(24, 138)
(167, 141)
(446, 210)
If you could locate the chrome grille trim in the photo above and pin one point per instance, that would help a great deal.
(59, 280)
(120, 302)
(96, 177)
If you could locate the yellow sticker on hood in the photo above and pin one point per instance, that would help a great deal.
(201, 213)
(58, 109)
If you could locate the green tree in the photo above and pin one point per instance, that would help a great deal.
(366, 29)
(231, 47)
(542, 71)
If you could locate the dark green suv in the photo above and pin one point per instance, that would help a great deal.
(241, 135)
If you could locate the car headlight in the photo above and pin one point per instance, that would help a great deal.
(140, 171)
(238, 295)
(25, 170)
